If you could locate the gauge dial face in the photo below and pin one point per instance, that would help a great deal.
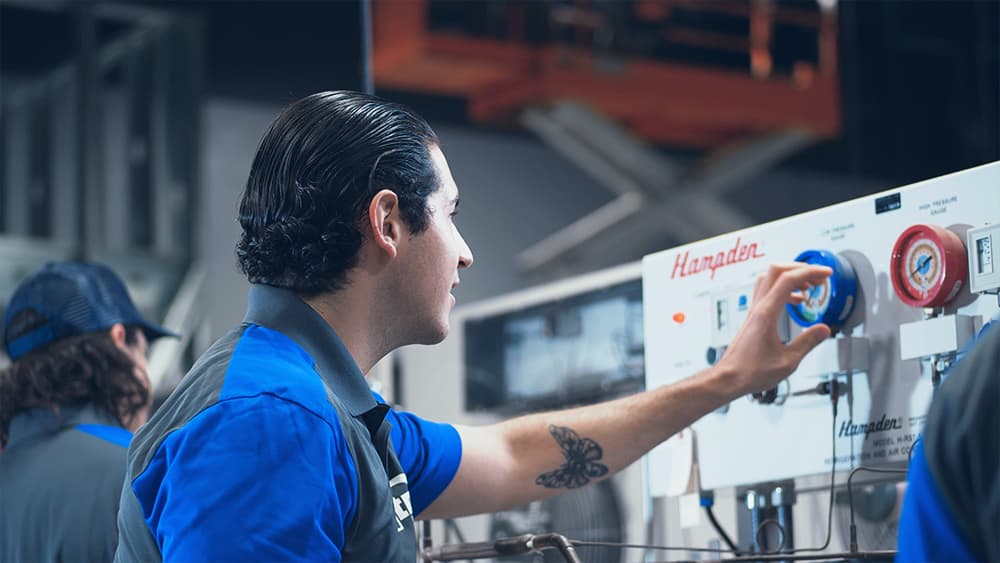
(817, 301)
(831, 301)
(928, 266)
(922, 257)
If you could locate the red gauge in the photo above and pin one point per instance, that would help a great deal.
(929, 266)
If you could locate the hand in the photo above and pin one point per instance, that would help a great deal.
(757, 359)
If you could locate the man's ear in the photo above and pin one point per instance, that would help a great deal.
(385, 221)
(117, 332)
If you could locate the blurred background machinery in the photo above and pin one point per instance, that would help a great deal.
(583, 135)
(606, 130)
(99, 152)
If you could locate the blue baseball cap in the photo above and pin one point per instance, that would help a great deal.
(65, 299)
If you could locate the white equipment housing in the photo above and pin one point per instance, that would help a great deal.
(689, 294)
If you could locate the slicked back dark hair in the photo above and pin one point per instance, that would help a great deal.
(312, 179)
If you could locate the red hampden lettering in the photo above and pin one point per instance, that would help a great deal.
(685, 265)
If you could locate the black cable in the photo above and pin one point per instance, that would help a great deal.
(909, 454)
(880, 556)
(781, 530)
(722, 533)
(834, 399)
(834, 395)
(850, 497)
(752, 557)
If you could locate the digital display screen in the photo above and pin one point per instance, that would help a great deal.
(984, 255)
(887, 203)
(578, 349)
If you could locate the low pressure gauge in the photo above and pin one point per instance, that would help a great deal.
(832, 301)
(928, 266)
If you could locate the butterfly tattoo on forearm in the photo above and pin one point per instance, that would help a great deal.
(581, 464)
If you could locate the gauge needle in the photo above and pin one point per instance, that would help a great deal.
(921, 264)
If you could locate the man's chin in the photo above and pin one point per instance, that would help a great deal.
(435, 336)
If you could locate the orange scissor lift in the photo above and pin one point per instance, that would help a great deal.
(664, 102)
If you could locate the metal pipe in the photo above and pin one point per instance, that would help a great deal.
(89, 134)
(756, 502)
(518, 545)
(557, 541)
(426, 542)
(367, 80)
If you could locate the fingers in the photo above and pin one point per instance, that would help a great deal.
(758, 288)
(803, 291)
(766, 280)
(784, 279)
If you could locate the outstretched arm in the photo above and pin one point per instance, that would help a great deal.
(540, 455)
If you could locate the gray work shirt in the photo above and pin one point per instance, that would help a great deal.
(281, 382)
(60, 486)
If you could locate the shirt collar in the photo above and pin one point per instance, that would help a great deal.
(43, 421)
(282, 310)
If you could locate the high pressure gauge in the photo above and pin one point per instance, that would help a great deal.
(928, 266)
(832, 301)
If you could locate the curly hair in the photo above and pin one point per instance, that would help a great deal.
(87, 368)
(314, 174)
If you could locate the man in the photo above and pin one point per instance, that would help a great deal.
(273, 447)
(76, 389)
(951, 511)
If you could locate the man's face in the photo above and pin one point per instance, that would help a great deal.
(432, 259)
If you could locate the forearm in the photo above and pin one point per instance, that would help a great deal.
(535, 456)
(623, 429)
(541, 455)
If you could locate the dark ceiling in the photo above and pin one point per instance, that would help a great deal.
(920, 80)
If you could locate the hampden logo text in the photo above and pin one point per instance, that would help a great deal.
(885, 424)
(687, 265)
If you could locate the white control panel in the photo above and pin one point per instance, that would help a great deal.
(695, 296)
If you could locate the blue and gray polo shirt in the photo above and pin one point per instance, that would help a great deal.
(951, 511)
(274, 448)
(60, 478)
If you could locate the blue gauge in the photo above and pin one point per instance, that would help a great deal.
(832, 301)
